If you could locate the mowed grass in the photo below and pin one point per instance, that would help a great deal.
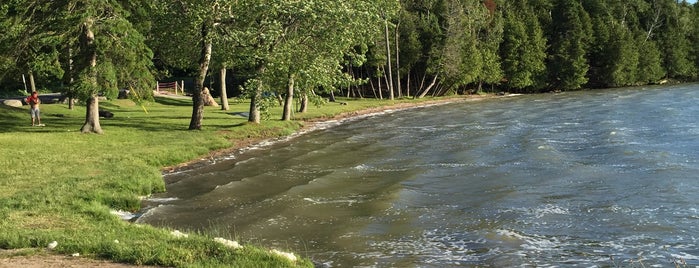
(57, 184)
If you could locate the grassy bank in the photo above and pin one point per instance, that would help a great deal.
(59, 185)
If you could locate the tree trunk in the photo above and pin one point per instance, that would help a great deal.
(68, 77)
(656, 21)
(224, 94)
(407, 86)
(288, 101)
(304, 103)
(389, 83)
(380, 91)
(198, 97)
(92, 118)
(32, 85)
(332, 96)
(254, 114)
(399, 88)
(434, 80)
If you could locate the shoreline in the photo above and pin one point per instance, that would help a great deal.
(308, 126)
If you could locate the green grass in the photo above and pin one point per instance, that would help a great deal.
(57, 184)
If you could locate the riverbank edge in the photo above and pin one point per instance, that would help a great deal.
(31, 257)
(316, 123)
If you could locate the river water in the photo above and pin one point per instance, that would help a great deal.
(603, 178)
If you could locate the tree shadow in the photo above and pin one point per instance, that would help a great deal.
(173, 101)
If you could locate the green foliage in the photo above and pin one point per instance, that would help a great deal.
(570, 37)
(523, 49)
(694, 34)
(674, 39)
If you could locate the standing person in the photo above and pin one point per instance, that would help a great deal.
(34, 111)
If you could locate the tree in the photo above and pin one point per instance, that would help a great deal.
(24, 48)
(613, 54)
(650, 68)
(523, 50)
(694, 34)
(673, 36)
(198, 26)
(109, 52)
(569, 41)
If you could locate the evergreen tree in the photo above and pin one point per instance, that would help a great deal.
(694, 35)
(650, 68)
(490, 37)
(523, 49)
(673, 36)
(613, 54)
(570, 37)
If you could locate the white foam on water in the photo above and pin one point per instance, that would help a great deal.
(321, 201)
(124, 215)
(431, 247)
(162, 200)
(685, 256)
(532, 242)
(362, 167)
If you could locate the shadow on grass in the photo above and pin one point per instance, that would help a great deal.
(173, 101)
(59, 119)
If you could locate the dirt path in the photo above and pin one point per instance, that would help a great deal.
(17, 258)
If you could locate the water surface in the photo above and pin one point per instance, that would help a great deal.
(586, 179)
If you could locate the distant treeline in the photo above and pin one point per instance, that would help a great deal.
(540, 45)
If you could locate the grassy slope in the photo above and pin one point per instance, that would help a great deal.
(59, 185)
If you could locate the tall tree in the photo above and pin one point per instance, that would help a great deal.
(673, 36)
(523, 49)
(694, 34)
(109, 51)
(490, 36)
(569, 40)
(25, 48)
(613, 54)
(199, 26)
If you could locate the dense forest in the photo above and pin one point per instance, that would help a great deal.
(280, 51)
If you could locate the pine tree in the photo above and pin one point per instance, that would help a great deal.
(523, 50)
(570, 37)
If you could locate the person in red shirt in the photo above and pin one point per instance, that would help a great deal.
(34, 111)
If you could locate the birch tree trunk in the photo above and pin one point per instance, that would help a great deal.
(224, 94)
(398, 87)
(434, 80)
(68, 76)
(389, 83)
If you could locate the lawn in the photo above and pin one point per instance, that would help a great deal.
(57, 184)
